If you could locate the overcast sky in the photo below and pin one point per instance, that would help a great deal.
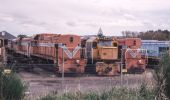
(83, 17)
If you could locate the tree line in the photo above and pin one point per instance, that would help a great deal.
(149, 35)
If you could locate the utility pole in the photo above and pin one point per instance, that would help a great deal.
(121, 65)
(169, 42)
(63, 68)
(1, 94)
(2, 65)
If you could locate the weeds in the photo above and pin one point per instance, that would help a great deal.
(143, 93)
(11, 87)
(162, 77)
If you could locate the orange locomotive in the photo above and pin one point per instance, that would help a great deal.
(21, 45)
(134, 59)
(63, 50)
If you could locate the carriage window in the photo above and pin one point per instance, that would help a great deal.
(105, 43)
(134, 42)
(94, 45)
(5, 42)
(71, 39)
(163, 50)
(115, 44)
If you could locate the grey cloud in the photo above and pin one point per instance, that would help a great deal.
(93, 25)
(33, 16)
(71, 23)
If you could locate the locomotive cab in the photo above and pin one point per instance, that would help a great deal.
(107, 49)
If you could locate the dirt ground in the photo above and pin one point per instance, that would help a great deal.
(41, 83)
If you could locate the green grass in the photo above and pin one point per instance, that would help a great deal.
(142, 93)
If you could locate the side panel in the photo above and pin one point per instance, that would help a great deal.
(108, 53)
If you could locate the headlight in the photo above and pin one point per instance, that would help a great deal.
(140, 61)
(77, 61)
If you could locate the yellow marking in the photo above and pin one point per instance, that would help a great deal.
(7, 71)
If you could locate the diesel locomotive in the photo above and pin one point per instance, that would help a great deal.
(64, 51)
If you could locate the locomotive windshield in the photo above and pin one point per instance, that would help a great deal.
(105, 43)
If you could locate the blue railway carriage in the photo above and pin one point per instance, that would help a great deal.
(155, 50)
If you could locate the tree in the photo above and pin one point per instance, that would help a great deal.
(155, 35)
(22, 36)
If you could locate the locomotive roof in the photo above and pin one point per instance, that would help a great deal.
(52, 34)
(91, 39)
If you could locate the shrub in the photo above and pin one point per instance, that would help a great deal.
(162, 77)
(11, 87)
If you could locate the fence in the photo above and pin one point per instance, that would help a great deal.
(41, 81)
